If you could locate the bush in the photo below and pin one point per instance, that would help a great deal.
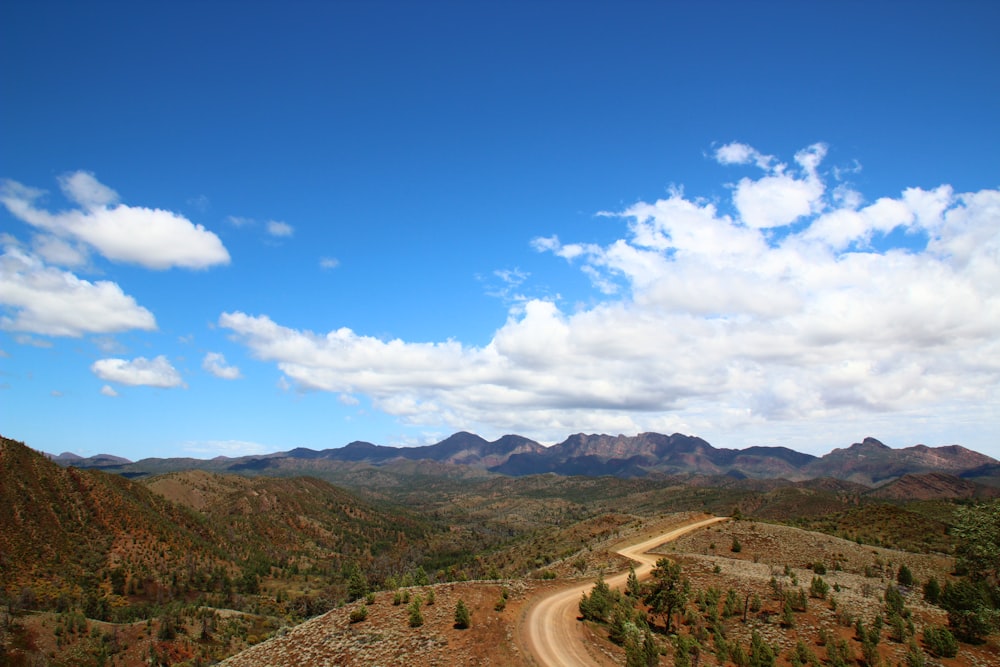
(932, 591)
(359, 614)
(761, 653)
(819, 568)
(416, 618)
(940, 642)
(736, 547)
(914, 656)
(818, 588)
(968, 610)
(463, 618)
(904, 577)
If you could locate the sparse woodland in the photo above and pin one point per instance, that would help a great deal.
(192, 567)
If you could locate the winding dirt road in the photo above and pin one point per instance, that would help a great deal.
(552, 633)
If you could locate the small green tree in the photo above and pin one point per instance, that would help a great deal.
(932, 591)
(463, 618)
(683, 647)
(787, 614)
(668, 590)
(940, 642)
(761, 653)
(641, 650)
(416, 618)
(894, 602)
(969, 612)
(632, 588)
(914, 656)
(357, 584)
(597, 606)
(736, 547)
(731, 604)
(818, 588)
(904, 577)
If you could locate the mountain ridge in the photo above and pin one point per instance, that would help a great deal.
(869, 462)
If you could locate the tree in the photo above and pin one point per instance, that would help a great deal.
(463, 618)
(978, 530)
(641, 650)
(668, 590)
(597, 606)
(904, 577)
(357, 584)
(894, 602)
(940, 642)
(632, 588)
(932, 591)
(969, 614)
(761, 653)
(819, 588)
(416, 618)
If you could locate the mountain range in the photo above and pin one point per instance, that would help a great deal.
(868, 462)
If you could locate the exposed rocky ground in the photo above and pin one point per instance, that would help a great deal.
(386, 638)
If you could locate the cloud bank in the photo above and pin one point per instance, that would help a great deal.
(792, 302)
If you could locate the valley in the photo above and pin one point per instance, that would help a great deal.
(271, 560)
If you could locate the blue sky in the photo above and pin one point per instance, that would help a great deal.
(242, 227)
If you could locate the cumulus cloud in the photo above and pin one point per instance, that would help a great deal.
(153, 238)
(156, 372)
(108, 390)
(215, 363)
(711, 321)
(328, 263)
(45, 300)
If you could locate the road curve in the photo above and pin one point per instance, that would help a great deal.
(552, 632)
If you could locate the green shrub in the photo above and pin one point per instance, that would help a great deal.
(940, 642)
(359, 614)
(463, 618)
(932, 591)
(416, 618)
(818, 588)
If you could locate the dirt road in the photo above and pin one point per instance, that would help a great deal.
(552, 633)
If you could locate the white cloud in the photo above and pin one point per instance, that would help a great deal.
(60, 252)
(215, 363)
(153, 238)
(49, 301)
(712, 323)
(328, 263)
(108, 390)
(156, 372)
(280, 229)
(780, 198)
(31, 341)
